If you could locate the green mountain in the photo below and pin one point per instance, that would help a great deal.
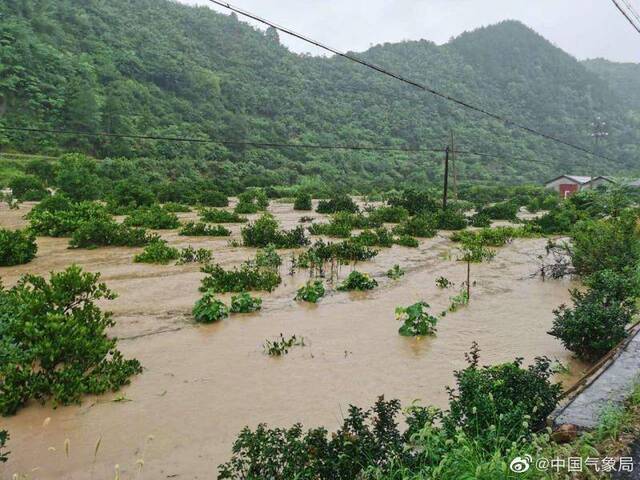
(623, 78)
(161, 68)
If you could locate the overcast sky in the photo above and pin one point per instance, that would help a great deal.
(584, 28)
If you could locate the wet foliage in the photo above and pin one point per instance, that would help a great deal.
(201, 229)
(158, 251)
(53, 341)
(396, 272)
(216, 215)
(302, 201)
(192, 255)
(154, 217)
(423, 226)
(16, 247)
(252, 200)
(265, 231)
(311, 292)
(358, 281)
(282, 345)
(109, 233)
(406, 241)
(338, 203)
(59, 216)
(247, 277)
(416, 320)
(209, 309)
(4, 454)
(245, 303)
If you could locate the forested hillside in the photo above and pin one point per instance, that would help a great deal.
(624, 78)
(158, 67)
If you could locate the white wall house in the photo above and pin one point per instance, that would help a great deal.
(567, 185)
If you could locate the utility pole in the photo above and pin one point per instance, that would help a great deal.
(446, 178)
(599, 130)
(453, 166)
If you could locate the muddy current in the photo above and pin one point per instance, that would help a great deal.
(202, 384)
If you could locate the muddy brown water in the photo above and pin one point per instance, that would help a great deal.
(202, 384)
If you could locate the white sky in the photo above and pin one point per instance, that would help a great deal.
(583, 28)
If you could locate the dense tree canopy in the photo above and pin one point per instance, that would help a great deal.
(161, 68)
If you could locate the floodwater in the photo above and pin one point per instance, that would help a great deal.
(202, 384)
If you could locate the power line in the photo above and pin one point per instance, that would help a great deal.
(259, 145)
(631, 9)
(408, 81)
(626, 15)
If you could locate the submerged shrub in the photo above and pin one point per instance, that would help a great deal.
(264, 231)
(423, 226)
(268, 258)
(191, 255)
(366, 438)
(129, 195)
(252, 201)
(396, 272)
(4, 455)
(281, 346)
(176, 207)
(157, 251)
(211, 198)
(214, 215)
(450, 219)
(201, 229)
(107, 232)
(246, 278)
(154, 217)
(303, 201)
(507, 210)
(245, 303)
(338, 203)
(442, 282)
(16, 247)
(515, 399)
(406, 241)
(57, 216)
(53, 341)
(417, 321)
(598, 319)
(414, 201)
(28, 188)
(209, 309)
(380, 237)
(389, 214)
(358, 281)
(481, 220)
(311, 292)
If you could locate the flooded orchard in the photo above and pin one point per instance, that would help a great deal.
(203, 383)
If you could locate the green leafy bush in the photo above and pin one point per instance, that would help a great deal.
(16, 247)
(214, 215)
(608, 244)
(414, 201)
(57, 216)
(246, 278)
(389, 214)
(252, 201)
(423, 226)
(281, 346)
(264, 231)
(209, 309)
(450, 219)
(201, 229)
(321, 254)
(442, 282)
(338, 203)
(506, 395)
(417, 321)
(28, 188)
(501, 210)
(481, 220)
(157, 251)
(176, 207)
(211, 198)
(53, 341)
(108, 233)
(366, 438)
(302, 202)
(191, 255)
(154, 217)
(396, 272)
(406, 241)
(597, 321)
(268, 258)
(380, 237)
(358, 281)
(311, 292)
(128, 195)
(78, 178)
(4, 455)
(245, 303)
